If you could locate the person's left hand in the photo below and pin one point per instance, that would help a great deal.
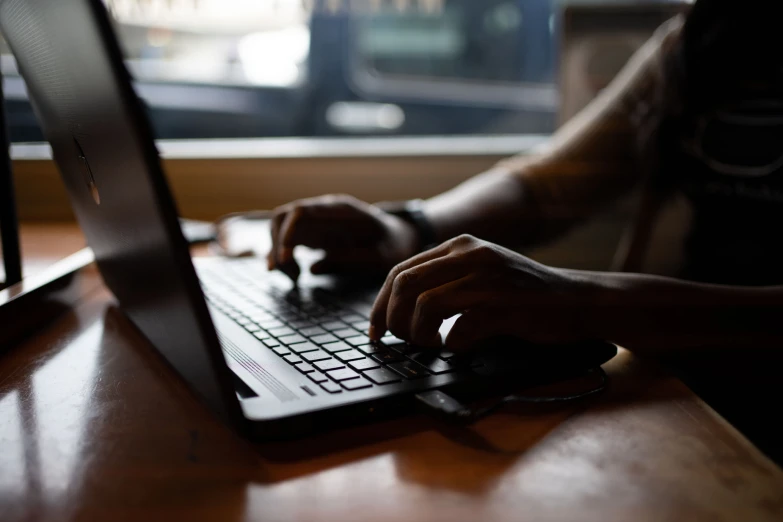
(497, 291)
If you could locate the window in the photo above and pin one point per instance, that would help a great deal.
(469, 67)
(248, 68)
(482, 41)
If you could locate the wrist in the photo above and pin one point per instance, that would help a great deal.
(401, 243)
(412, 213)
(593, 295)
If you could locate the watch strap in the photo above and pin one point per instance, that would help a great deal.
(412, 212)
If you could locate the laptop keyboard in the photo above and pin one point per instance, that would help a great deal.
(320, 335)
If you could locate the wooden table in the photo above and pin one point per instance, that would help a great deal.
(93, 426)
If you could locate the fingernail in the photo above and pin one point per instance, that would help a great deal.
(373, 333)
(270, 265)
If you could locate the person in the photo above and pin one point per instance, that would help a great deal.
(698, 111)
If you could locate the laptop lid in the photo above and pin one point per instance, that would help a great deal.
(102, 142)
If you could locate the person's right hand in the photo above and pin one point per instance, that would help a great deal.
(357, 237)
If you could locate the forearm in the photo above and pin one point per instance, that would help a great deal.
(589, 162)
(658, 315)
(495, 206)
(530, 200)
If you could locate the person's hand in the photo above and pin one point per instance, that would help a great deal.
(356, 236)
(497, 291)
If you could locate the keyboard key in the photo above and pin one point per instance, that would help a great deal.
(292, 359)
(319, 313)
(291, 339)
(446, 355)
(303, 347)
(370, 349)
(387, 357)
(362, 309)
(271, 343)
(328, 365)
(361, 365)
(300, 324)
(242, 320)
(323, 339)
(289, 316)
(391, 341)
(281, 331)
(350, 355)
(355, 384)
(319, 355)
(352, 318)
(342, 375)
(260, 322)
(311, 331)
(271, 323)
(331, 387)
(358, 340)
(333, 325)
(317, 377)
(344, 332)
(362, 326)
(304, 367)
(252, 327)
(382, 376)
(466, 361)
(407, 349)
(336, 347)
(261, 335)
(409, 370)
(282, 351)
(432, 363)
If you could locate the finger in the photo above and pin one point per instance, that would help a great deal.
(284, 256)
(412, 284)
(274, 229)
(475, 325)
(322, 227)
(285, 247)
(435, 306)
(351, 259)
(326, 265)
(378, 314)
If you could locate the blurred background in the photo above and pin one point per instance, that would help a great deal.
(320, 68)
(255, 103)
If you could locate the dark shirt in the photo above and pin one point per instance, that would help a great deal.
(726, 157)
(729, 164)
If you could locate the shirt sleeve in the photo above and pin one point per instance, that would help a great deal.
(593, 158)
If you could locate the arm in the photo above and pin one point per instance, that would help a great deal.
(588, 163)
(500, 292)
(653, 315)
(523, 200)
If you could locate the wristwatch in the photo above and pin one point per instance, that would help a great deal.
(412, 212)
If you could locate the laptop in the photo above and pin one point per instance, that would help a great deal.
(269, 360)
